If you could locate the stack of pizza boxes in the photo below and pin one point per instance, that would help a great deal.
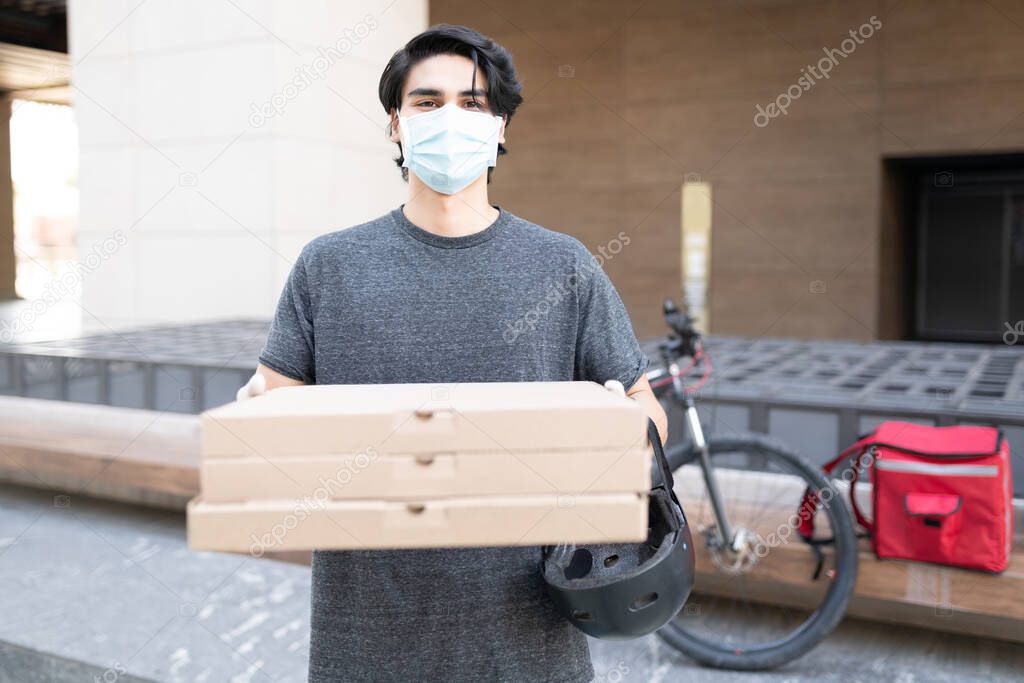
(422, 465)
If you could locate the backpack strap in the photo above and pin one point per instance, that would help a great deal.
(810, 501)
(858, 515)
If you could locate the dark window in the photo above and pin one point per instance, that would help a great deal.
(962, 246)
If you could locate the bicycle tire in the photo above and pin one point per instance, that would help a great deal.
(831, 610)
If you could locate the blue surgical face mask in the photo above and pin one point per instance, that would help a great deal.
(449, 148)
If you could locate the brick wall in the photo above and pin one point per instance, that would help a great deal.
(652, 91)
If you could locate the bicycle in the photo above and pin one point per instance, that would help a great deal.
(746, 558)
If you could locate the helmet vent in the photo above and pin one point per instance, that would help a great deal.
(580, 565)
(580, 615)
(611, 560)
(642, 602)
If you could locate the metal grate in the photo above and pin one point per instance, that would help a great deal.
(181, 368)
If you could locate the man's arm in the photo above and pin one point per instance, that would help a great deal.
(263, 381)
(275, 380)
(642, 392)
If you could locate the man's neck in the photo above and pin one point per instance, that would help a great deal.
(455, 215)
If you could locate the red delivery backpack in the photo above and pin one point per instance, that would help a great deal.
(940, 494)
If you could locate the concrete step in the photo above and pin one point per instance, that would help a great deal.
(93, 588)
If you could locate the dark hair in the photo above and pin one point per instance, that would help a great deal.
(503, 88)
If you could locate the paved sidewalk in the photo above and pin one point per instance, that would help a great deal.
(95, 589)
(858, 652)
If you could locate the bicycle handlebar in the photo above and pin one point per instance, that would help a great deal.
(683, 341)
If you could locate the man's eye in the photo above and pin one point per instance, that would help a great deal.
(473, 104)
(426, 103)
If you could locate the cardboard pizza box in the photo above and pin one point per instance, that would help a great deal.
(257, 527)
(410, 476)
(424, 418)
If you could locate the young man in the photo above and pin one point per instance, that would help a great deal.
(447, 288)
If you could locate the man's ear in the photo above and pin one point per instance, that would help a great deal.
(501, 129)
(395, 134)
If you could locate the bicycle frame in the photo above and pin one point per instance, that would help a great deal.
(697, 450)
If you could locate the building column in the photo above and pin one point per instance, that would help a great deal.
(8, 262)
(210, 157)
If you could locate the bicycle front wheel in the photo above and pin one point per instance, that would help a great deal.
(770, 597)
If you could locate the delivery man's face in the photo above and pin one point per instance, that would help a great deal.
(445, 79)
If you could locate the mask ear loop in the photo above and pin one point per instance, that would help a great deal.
(402, 147)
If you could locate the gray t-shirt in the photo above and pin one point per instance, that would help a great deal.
(388, 302)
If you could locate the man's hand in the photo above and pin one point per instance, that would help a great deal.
(256, 385)
(263, 381)
(642, 392)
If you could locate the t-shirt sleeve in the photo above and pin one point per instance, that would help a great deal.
(606, 346)
(290, 342)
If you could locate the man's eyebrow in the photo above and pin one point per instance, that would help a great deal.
(434, 92)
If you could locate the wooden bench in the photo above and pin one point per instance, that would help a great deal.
(135, 456)
(152, 458)
(894, 591)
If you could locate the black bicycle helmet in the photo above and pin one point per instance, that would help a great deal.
(627, 590)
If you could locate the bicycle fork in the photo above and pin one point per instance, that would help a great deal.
(727, 538)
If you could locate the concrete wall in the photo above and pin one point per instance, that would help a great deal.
(217, 138)
(624, 99)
